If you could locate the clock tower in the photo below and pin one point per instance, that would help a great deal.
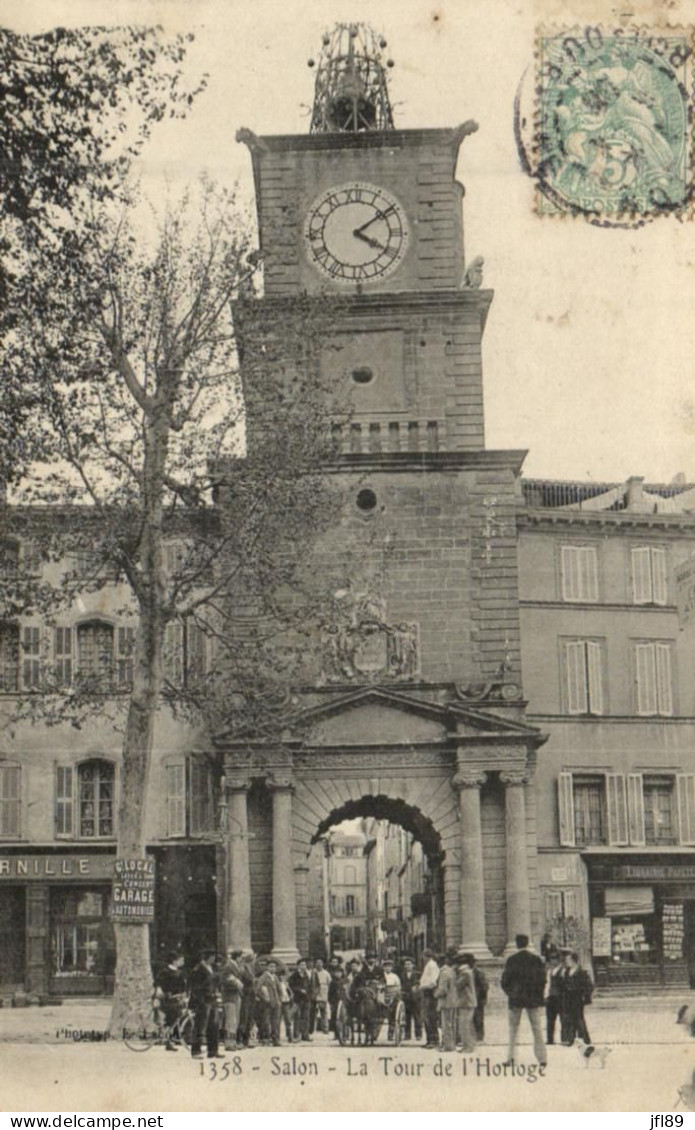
(421, 681)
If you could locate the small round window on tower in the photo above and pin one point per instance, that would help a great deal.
(366, 500)
(363, 375)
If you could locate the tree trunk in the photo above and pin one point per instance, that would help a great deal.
(133, 984)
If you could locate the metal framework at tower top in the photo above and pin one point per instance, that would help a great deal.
(351, 89)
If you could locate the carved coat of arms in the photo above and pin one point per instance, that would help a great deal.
(366, 646)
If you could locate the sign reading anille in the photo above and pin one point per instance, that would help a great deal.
(54, 868)
(685, 592)
(132, 897)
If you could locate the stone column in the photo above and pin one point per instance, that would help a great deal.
(468, 782)
(284, 899)
(518, 898)
(238, 878)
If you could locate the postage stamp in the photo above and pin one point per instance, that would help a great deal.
(613, 123)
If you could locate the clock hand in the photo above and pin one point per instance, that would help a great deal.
(377, 216)
(358, 233)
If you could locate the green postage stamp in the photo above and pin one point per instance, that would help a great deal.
(613, 123)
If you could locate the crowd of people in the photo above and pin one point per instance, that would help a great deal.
(244, 1000)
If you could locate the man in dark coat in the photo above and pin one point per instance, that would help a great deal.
(523, 981)
(412, 998)
(300, 985)
(203, 1001)
(481, 991)
(171, 989)
(576, 988)
(247, 1009)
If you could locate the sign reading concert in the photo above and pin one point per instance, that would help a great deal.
(132, 896)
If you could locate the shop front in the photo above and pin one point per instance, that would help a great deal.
(56, 937)
(642, 921)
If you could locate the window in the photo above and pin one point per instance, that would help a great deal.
(31, 657)
(589, 795)
(653, 678)
(658, 802)
(104, 655)
(95, 653)
(10, 799)
(82, 941)
(9, 657)
(584, 676)
(350, 904)
(350, 876)
(85, 800)
(592, 805)
(9, 559)
(578, 566)
(649, 575)
(185, 652)
(190, 800)
(635, 808)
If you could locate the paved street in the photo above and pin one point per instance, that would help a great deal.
(45, 1069)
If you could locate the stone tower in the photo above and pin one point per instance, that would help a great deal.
(418, 707)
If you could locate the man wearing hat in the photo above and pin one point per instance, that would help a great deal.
(203, 1001)
(466, 1000)
(410, 989)
(523, 980)
(170, 991)
(231, 986)
(392, 990)
(247, 1004)
(447, 1000)
(370, 971)
(428, 984)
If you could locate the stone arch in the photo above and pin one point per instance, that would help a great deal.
(427, 805)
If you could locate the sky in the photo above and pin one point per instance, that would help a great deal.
(588, 351)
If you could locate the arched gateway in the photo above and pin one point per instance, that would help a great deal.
(456, 773)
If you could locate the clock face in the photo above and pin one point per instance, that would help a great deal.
(356, 233)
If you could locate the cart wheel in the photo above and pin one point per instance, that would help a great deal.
(187, 1028)
(399, 1024)
(141, 1030)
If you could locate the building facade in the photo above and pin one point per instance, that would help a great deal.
(608, 670)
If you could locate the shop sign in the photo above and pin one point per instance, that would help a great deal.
(601, 937)
(132, 895)
(55, 868)
(685, 592)
(654, 871)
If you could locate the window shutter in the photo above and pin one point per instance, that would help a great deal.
(635, 808)
(646, 678)
(553, 905)
(201, 796)
(685, 784)
(31, 657)
(10, 799)
(569, 566)
(62, 654)
(575, 664)
(570, 896)
(617, 808)
(593, 662)
(588, 587)
(65, 803)
(663, 678)
(659, 577)
(196, 647)
(641, 575)
(176, 799)
(125, 639)
(173, 652)
(565, 800)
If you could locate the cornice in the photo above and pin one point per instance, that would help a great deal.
(606, 520)
(596, 606)
(368, 139)
(357, 305)
(452, 461)
(610, 719)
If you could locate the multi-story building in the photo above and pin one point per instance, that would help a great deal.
(609, 673)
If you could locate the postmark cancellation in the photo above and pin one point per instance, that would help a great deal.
(612, 134)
